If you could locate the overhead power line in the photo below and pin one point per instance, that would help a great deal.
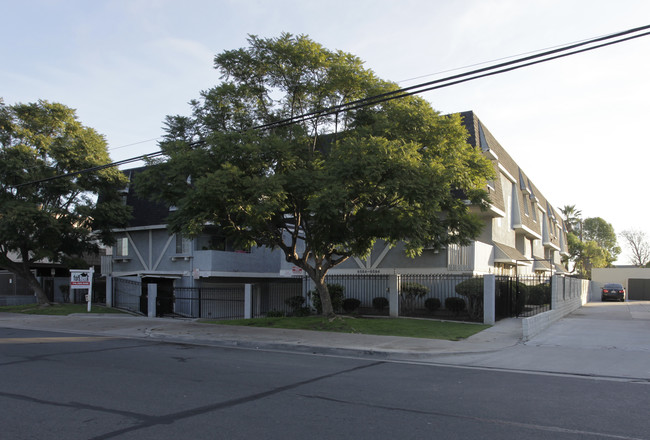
(542, 57)
(496, 69)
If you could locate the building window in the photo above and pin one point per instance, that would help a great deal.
(182, 244)
(122, 247)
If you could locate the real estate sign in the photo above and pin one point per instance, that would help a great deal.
(83, 279)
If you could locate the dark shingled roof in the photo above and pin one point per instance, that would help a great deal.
(145, 212)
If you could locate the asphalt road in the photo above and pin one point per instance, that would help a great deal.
(71, 386)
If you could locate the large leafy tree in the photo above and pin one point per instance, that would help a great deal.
(323, 188)
(597, 246)
(598, 230)
(53, 220)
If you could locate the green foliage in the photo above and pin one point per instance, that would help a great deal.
(295, 302)
(432, 304)
(472, 290)
(297, 306)
(341, 181)
(539, 294)
(350, 305)
(455, 304)
(603, 249)
(274, 314)
(336, 295)
(380, 303)
(413, 290)
(57, 219)
(572, 219)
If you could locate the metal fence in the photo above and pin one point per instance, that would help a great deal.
(432, 300)
(224, 302)
(373, 293)
(273, 297)
(228, 301)
(365, 288)
(522, 296)
(127, 294)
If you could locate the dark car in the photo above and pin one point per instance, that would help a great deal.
(613, 291)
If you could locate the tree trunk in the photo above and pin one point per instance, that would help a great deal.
(41, 297)
(22, 271)
(325, 299)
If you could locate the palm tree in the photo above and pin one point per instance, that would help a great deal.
(572, 218)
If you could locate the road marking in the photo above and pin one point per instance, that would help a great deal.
(51, 340)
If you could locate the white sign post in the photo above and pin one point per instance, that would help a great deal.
(83, 279)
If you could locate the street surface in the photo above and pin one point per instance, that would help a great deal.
(72, 386)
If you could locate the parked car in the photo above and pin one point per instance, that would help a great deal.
(613, 291)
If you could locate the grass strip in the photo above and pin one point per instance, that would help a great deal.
(412, 328)
(57, 309)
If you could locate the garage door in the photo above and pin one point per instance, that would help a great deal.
(638, 289)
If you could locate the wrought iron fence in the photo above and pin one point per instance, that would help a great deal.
(224, 302)
(522, 296)
(272, 297)
(365, 288)
(431, 301)
(228, 301)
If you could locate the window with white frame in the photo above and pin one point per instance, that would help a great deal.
(182, 244)
(122, 247)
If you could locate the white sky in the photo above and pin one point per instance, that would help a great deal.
(575, 126)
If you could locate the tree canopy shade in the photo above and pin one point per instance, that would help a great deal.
(324, 188)
(57, 220)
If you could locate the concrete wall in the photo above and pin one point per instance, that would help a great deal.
(617, 275)
(567, 295)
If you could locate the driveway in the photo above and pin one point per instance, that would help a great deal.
(608, 340)
(601, 325)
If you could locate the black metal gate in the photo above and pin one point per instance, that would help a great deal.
(522, 296)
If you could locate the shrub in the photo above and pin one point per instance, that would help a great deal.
(410, 293)
(472, 289)
(380, 303)
(295, 302)
(455, 304)
(432, 304)
(539, 294)
(336, 295)
(274, 314)
(413, 290)
(350, 305)
(297, 307)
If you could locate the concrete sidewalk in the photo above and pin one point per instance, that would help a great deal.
(602, 340)
(504, 334)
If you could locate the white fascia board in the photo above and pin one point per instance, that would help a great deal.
(496, 210)
(140, 228)
(528, 231)
(217, 274)
(505, 172)
(551, 245)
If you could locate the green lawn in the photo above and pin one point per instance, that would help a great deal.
(57, 309)
(413, 328)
